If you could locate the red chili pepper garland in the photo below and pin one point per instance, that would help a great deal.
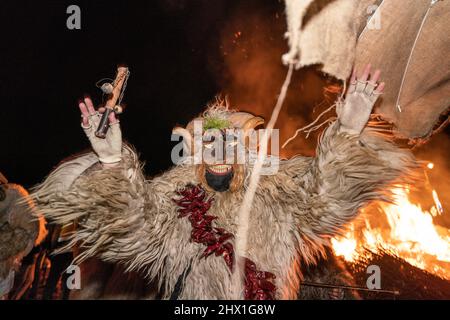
(195, 205)
(258, 284)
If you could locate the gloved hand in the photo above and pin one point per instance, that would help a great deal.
(362, 94)
(108, 150)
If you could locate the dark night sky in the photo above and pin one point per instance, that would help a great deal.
(170, 47)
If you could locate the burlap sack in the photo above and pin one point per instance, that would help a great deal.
(335, 34)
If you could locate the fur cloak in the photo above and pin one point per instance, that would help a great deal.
(122, 217)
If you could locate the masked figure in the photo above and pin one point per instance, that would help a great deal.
(178, 228)
(20, 230)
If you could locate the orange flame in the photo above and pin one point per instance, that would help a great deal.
(412, 235)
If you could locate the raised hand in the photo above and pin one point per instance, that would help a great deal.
(362, 94)
(108, 150)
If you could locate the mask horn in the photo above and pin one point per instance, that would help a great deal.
(252, 123)
(3, 179)
(245, 122)
(187, 139)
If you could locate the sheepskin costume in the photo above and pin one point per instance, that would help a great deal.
(180, 234)
(19, 231)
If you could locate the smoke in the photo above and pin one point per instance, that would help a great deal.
(251, 47)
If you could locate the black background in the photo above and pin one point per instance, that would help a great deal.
(157, 309)
(171, 47)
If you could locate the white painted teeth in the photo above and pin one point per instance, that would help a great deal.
(220, 168)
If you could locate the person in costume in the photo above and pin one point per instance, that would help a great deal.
(21, 228)
(178, 229)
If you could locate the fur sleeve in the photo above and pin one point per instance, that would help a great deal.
(348, 172)
(110, 209)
